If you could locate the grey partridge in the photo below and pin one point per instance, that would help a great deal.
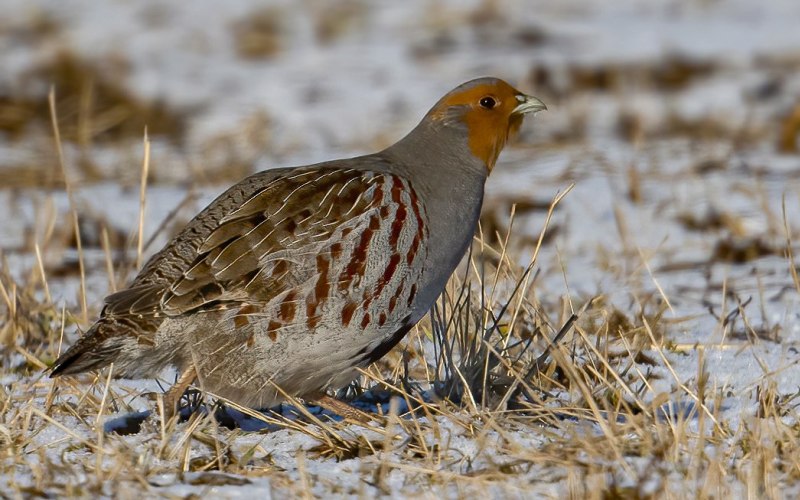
(296, 277)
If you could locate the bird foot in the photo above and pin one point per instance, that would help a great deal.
(173, 396)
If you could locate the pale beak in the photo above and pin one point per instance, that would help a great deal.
(528, 104)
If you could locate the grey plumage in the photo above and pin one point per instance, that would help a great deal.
(296, 277)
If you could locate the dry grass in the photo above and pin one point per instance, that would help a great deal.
(509, 389)
(559, 394)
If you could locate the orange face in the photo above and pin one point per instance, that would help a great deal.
(491, 109)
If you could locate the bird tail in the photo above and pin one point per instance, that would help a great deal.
(90, 352)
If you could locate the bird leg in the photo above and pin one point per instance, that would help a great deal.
(174, 394)
(343, 409)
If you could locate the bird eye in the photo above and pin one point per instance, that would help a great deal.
(487, 102)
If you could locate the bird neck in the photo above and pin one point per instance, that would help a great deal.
(435, 151)
(443, 171)
(450, 181)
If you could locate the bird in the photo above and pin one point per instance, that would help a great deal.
(295, 278)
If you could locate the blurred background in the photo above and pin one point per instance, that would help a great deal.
(677, 120)
(675, 123)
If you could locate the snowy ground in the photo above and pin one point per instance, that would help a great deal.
(677, 123)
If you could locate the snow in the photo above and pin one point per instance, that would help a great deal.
(313, 101)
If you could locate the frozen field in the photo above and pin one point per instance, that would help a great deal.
(673, 127)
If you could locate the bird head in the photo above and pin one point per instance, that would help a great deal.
(488, 111)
